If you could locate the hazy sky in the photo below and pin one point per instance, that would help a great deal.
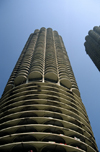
(72, 19)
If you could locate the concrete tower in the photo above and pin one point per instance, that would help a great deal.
(41, 109)
(92, 45)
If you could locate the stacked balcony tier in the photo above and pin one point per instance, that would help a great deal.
(62, 67)
(44, 116)
(10, 83)
(74, 86)
(36, 69)
(50, 59)
(25, 64)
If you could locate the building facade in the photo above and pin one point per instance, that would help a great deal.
(92, 45)
(41, 109)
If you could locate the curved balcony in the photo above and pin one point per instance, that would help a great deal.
(76, 91)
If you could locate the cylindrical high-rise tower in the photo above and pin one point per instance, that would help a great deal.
(92, 45)
(41, 109)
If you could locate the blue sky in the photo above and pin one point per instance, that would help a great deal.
(72, 19)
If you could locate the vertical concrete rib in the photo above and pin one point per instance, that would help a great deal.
(44, 54)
